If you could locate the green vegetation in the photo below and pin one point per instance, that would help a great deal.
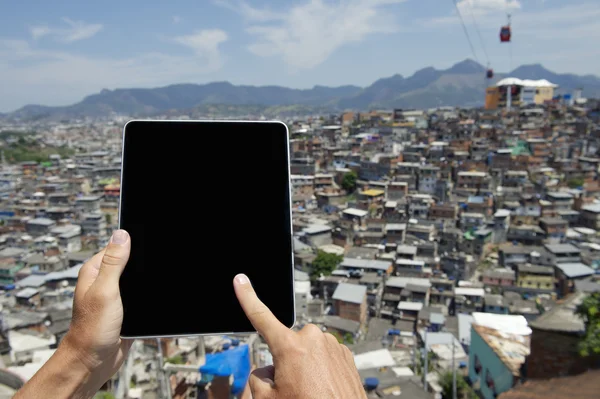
(576, 182)
(485, 264)
(351, 198)
(5, 134)
(177, 359)
(23, 146)
(349, 181)
(589, 311)
(348, 339)
(463, 390)
(324, 264)
(418, 369)
(21, 152)
(337, 336)
(104, 395)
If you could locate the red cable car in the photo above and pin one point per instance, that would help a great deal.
(490, 73)
(505, 34)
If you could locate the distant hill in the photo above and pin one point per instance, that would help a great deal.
(461, 85)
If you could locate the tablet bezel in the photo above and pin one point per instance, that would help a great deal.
(292, 281)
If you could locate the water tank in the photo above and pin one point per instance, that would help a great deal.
(371, 383)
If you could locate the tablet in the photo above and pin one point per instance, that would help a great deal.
(202, 202)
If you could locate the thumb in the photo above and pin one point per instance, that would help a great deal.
(262, 382)
(115, 256)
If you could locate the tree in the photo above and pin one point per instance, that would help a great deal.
(589, 311)
(420, 363)
(463, 390)
(349, 181)
(324, 264)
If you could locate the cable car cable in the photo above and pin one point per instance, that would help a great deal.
(478, 32)
(462, 22)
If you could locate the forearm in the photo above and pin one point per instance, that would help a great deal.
(63, 376)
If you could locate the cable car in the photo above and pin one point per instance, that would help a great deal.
(505, 34)
(490, 73)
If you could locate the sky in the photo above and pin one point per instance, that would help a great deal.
(56, 53)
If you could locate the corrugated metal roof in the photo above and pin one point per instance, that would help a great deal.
(577, 269)
(352, 293)
(365, 264)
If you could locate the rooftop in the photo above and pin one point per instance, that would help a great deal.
(402, 282)
(575, 270)
(406, 249)
(562, 248)
(355, 212)
(410, 306)
(352, 293)
(341, 324)
(535, 269)
(27, 293)
(593, 208)
(365, 264)
(562, 317)
(42, 222)
(512, 350)
(582, 386)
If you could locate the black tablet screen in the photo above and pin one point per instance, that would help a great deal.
(202, 202)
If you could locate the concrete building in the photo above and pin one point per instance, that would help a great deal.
(350, 302)
(499, 346)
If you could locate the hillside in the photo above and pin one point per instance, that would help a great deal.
(461, 85)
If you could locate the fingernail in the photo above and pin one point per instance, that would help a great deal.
(119, 237)
(242, 279)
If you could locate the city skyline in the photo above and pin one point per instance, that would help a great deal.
(56, 54)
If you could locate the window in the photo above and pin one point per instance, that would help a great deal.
(477, 367)
(489, 380)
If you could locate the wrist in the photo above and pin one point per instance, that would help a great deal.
(75, 373)
(72, 347)
(63, 376)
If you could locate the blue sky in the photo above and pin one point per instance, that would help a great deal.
(55, 53)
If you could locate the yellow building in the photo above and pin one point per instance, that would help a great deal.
(536, 277)
(492, 97)
(513, 92)
(543, 94)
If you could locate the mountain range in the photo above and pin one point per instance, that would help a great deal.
(463, 84)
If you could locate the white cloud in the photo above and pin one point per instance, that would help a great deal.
(38, 32)
(308, 34)
(58, 77)
(205, 44)
(74, 31)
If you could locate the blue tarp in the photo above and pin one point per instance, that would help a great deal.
(235, 361)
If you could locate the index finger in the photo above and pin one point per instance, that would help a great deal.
(261, 317)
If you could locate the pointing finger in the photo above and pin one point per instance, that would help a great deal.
(263, 320)
(115, 256)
